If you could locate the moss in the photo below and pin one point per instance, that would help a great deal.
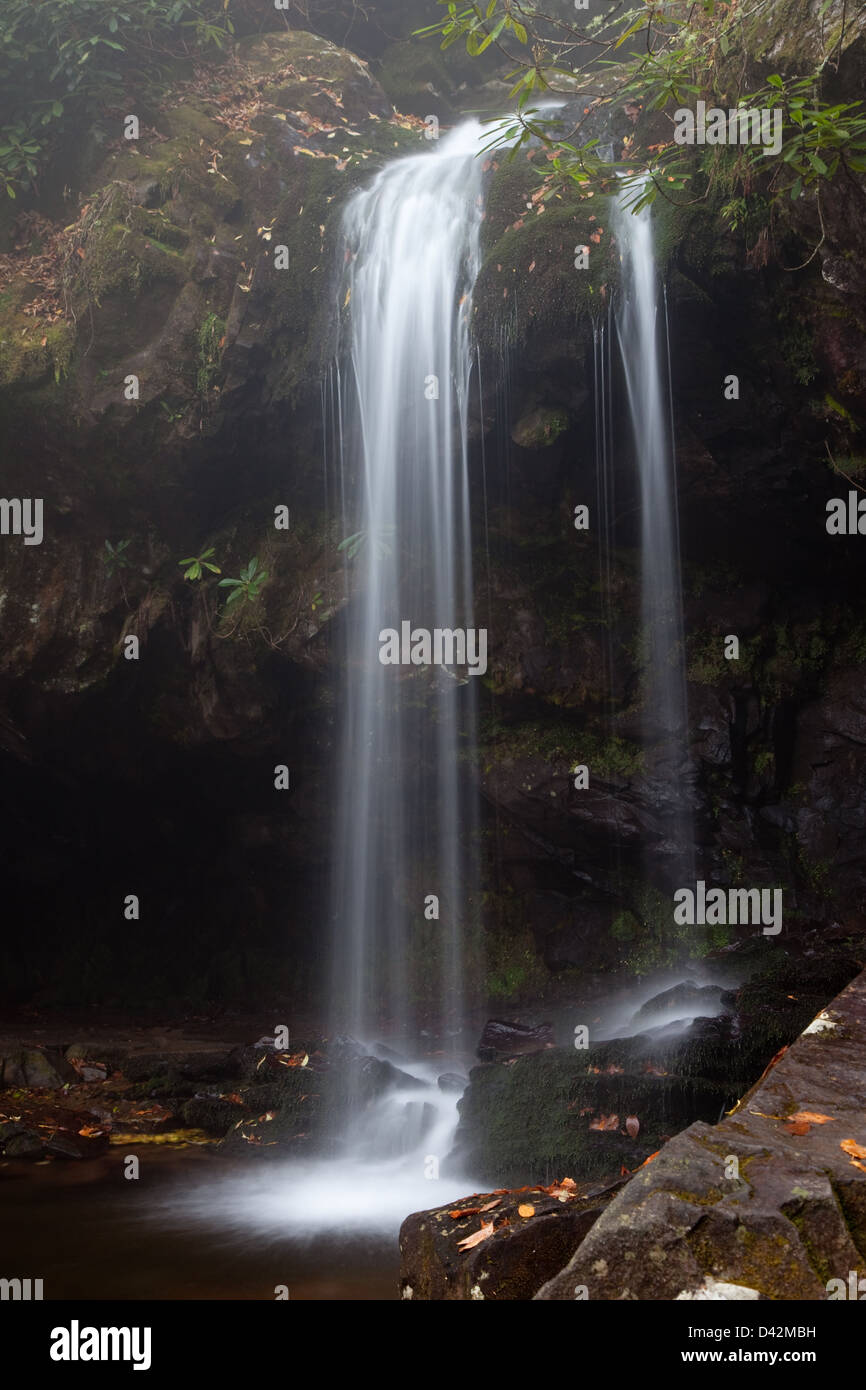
(529, 277)
(210, 338)
(31, 351)
(556, 740)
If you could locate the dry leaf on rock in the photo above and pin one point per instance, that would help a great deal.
(478, 1236)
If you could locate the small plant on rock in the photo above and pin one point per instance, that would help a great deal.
(248, 588)
(197, 564)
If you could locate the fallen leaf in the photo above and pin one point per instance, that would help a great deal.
(467, 1211)
(647, 1160)
(861, 1166)
(853, 1148)
(605, 1122)
(527, 1209)
(300, 1059)
(484, 1234)
(812, 1117)
(797, 1127)
(491, 1205)
(632, 1124)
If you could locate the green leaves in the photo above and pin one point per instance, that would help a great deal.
(58, 62)
(197, 564)
(114, 557)
(248, 588)
(354, 543)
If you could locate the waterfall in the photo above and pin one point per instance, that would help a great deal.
(642, 335)
(405, 822)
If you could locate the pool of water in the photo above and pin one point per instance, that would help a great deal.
(192, 1226)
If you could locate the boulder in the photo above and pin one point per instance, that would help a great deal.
(503, 1039)
(510, 1263)
(30, 1067)
(686, 1000)
(772, 1199)
(564, 1110)
(451, 1081)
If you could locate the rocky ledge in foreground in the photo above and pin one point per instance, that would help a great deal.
(772, 1200)
(768, 1204)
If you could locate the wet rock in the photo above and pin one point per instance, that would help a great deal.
(770, 1200)
(565, 1110)
(213, 1114)
(682, 1001)
(452, 1081)
(510, 1264)
(23, 1143)
(502, 1039)
(540, 428)
(51, 1129)
(31, 1068)
(307, 1111)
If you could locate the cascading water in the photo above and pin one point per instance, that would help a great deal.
(396, 410)
(646, 374)
(404, 821)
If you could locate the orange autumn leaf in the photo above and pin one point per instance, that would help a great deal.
(797, 1127)
(811, 1117)
(476, 1239)
(861, 1166)
(467, 1211)
(853, 1148)
(647, 1160)
(605, 1122)
(299, 1059)
(526, 1209)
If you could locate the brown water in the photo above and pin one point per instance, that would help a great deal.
(90, 1233)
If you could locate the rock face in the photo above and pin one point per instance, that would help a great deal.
(510, 1263)
(501, 1039)
(771, 1200)
(168, 274)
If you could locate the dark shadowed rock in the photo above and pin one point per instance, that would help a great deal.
(451, 1081)
(682, 1001)
(510, 1264)
(502, 1039)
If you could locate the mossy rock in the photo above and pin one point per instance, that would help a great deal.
(530, 281)
(540, 428)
